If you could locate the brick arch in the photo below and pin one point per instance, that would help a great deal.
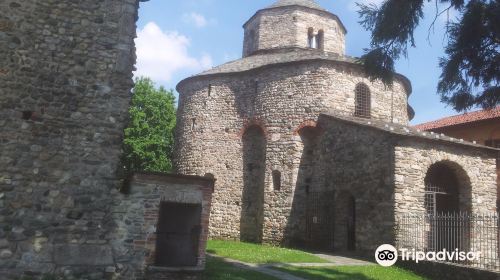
(251, 123)
(308, 123)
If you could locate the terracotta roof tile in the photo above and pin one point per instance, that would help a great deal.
(461, 119)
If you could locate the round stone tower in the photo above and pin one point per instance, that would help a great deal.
(251, 123)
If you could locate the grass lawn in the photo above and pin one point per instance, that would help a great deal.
(218, 270)
(373, 272)
(256, 253)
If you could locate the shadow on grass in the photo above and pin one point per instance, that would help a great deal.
(371, 272)
(324, 274)
(217, 269)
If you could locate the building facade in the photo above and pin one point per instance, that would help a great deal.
(305, 149)
(482, 127)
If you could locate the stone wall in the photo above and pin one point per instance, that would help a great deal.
(288, 27)
(136, 215)
(280, 99)
(358, 162)
(66, 75)
(475, 168)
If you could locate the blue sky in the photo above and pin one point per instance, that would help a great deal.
(179, 38)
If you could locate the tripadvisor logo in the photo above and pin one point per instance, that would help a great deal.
(387, 255)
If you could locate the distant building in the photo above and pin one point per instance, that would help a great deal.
(480, 126)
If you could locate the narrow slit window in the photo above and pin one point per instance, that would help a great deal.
(363, 101)
(209, 90)
(27, 115)
(193, 124)
(277, 180)
(310, 38)
(320, 40)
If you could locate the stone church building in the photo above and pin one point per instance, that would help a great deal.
(307, 151)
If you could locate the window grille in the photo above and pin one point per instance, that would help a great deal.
(363, 101)
(430, 198)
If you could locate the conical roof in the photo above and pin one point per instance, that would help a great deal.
(305, 3)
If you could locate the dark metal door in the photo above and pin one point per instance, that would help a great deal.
(319, 221)
(178, 234)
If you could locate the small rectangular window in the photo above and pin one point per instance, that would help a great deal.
(277, 180)
(27, 115)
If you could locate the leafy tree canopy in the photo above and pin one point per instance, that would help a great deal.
(471, 69)
(149, 138)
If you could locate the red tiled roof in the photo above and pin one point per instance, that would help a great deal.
(461, 119)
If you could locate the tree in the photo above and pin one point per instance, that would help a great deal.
(471, 69)
(149, 139)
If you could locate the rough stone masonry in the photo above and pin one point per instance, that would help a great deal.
(66, 77)
(306, 150)
(280, 129)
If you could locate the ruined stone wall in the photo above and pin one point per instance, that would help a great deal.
(65, 75)
(281, 100)
(288, 27)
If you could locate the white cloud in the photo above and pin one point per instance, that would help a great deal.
(196, 19)
(162, 53)
(353, 7)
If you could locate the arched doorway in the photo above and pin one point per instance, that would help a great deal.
(447, 189)
(345, 222)
(447, 204)
(254, 170)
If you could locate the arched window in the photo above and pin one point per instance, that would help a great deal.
(311, 39)
(320, 40)
(277, 180)
(363, 101)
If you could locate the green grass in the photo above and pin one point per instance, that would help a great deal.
(218, 270)
(373, 272)
(256, 253)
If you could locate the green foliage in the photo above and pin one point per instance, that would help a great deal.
(149, 139)
(471, 69)
(257, 253)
